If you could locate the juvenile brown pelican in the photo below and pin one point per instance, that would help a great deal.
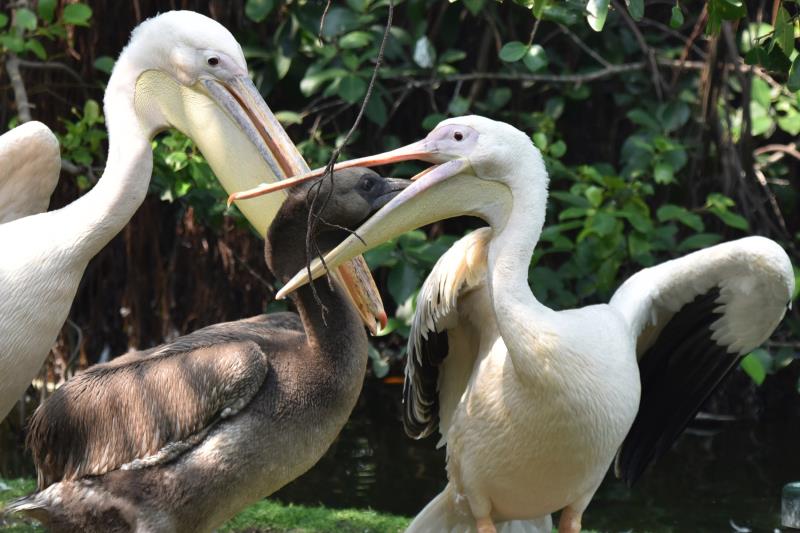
(533, 404)
(181, 437)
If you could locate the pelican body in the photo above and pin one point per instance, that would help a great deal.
(181, 437)
(182, 70)
(534, 404)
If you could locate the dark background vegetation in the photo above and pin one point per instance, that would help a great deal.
(671, 128)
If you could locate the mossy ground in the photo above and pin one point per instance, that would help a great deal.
(264, 516)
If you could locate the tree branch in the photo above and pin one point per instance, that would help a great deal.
(18, 85)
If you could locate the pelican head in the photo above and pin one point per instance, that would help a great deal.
(184, 70)
(481, 167)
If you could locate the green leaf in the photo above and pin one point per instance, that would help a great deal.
(698, 241)
(424, 52)
(355, 39)
(403, 281)
(674, 115)
(3, 20)
(770, 58)
(793, 83)
(25, 19)
(644, 119)
(104, 64)
(339, 21)
(663, 173)
(635, 8)
(596, 13)
(513, 51)
(352, 88)
(36, 47)
(452, 56)
(91, 111)
(535, 58)
(498, 97)
(77, 14)
(558, 149)
(731, 219)
(288, 118)
(46, 10)
(676, 17)
(761, 93)
(594, 195)
(257, 10)
(474, 6)
(754, 367)
(540, 140)
(376, 110)
(14, 43)
(784, 31)
(537, 7)
(380, 365)
(681, 214)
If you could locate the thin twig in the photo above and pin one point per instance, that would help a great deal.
(583, 46)
(314, 215)
(322, 21)
(649, 53)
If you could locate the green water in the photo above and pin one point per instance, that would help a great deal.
(708, 481)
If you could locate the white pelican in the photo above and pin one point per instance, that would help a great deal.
(181, 437)
(533, 404)
(181, 70)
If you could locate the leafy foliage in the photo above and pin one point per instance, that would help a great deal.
(666, 127)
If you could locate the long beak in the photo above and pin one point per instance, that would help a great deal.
(242, 101)
(444, 191)
(417, 150)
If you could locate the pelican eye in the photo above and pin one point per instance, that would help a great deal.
(458, 136)
(367, 183)
(213, 61)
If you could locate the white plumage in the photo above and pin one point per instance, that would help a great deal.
(164, 78)
(30, 163)
(533, 404)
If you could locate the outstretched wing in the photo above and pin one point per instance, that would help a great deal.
(442, 345)
(148, 407)
(695, 318)
(30, 162)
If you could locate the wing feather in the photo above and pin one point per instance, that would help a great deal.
(148, 407)
(433, 385)
(695, 318)
(30, 162)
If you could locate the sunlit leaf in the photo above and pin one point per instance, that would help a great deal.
(676, 16)
(36, 47)
(753, 365)
(681, 214)
(793, 83)
(3, 20)
(77, 14)
(663, 173)
(596, 13)
(355, 39)
(424, 52)
(535, 58)
(25, 19)
(784, 31)
(513, 51)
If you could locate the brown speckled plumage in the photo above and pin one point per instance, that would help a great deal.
(181, 437)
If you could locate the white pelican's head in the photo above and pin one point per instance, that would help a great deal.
(482, 167)
(184, 70)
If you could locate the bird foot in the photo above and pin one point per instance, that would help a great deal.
(485, 525)
(570, 521)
